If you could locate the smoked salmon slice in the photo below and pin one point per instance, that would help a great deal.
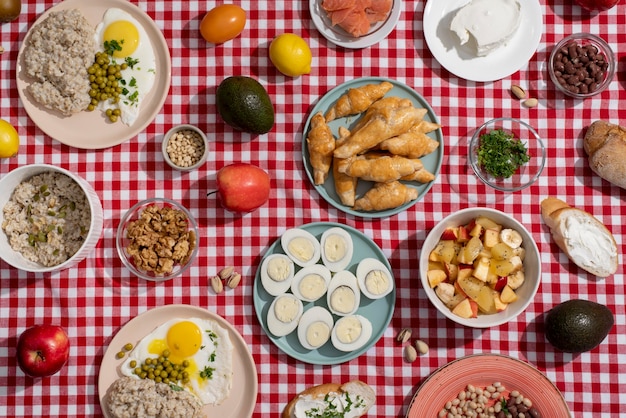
(356, 16)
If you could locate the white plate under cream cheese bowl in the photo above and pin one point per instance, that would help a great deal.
(11, 180)
(461, 61)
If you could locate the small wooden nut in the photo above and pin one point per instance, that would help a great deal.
(216, 284)
(532, 102)
(518, 92)
(410, 354)
(421, 347)
(226, 272)
(404, 335)
(1, 50)
(233, 280)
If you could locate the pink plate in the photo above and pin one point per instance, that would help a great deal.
(445, 383)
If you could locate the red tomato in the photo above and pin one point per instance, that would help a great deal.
(223, 23)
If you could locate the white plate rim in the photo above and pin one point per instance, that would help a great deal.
(248, 388)
(307, 357)
(101, 134)
(502, 62)
(338, 37)
(416, 98)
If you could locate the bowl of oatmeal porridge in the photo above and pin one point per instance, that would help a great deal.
(50, 218)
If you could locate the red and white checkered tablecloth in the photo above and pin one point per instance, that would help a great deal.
(95, 298)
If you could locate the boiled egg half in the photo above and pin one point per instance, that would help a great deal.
(301, 246)
(375, 280)
(315, 327)
(337, 249)
(343, 296)
(284, 314)
(277, 272)
(310, 283)
(351, 333)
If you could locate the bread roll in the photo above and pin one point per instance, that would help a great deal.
(360, 394)
(605, 144)
(582, 237)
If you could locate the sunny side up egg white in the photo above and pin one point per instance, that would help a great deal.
(138, 78)
(203, 343)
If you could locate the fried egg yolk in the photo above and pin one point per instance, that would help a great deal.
(183, 340)
(125, 34)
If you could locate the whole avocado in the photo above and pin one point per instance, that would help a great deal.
(578, 325)
(244, 104)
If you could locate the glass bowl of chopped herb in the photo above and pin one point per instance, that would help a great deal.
(507, 154)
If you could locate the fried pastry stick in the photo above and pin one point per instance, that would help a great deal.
(357, 100)
(378, 125)
(383, 196)
(414, 143)
(380, 168)
(321, 144)
(345, 185)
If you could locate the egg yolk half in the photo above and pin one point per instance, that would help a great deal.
(183, 340)
(125, 34)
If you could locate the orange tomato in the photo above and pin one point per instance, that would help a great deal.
(223, 23)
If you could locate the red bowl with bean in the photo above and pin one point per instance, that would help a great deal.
(582, 65)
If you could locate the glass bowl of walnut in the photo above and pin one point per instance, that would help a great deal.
(157, 239)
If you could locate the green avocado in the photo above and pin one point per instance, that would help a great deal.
(578, 325)
(244, 104)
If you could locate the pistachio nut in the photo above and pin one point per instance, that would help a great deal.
(233, 280)
(518, 92)
(404, 335)
(421, 347)
(216, 284)
(226, 272)
(410, 354)
(532, 102)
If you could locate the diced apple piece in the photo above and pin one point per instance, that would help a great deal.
(508, 295)
(466, 309)
(434, 254)
(481, 269)
(516, 280)
(485, 301)
(503, 267)
(487, 223)
(500, 306)
(501, 251)
(471, 286)
(499, 285)
(452, 270)
(476, 230)
(463, 235)
(458, 289)
(435, 277)
(450, 234)
(465, 271)
(435, 265)
(491, 237)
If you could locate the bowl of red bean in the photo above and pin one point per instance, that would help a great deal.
(185, 147)
(582, 65)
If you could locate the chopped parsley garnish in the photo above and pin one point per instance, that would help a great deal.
(500, 154)
(111, 46)
(332, 411)
(207, 373)
(131, 62)
(176, 388)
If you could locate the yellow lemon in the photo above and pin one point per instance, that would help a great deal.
(291, 55)
(9, 140)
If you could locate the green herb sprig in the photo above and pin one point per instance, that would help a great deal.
(500, 154)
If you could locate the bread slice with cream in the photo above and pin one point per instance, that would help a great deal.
(581, 236)
(354, 398)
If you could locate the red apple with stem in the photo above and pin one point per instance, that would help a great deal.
(242, 187)
(597, 5)
(42, 350)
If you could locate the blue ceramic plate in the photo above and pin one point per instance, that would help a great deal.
(432, 161)
(379, 311)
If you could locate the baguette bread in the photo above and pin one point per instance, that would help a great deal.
(605, 145)
(582, 237)
(359, 394)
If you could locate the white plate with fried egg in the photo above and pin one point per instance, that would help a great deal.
(92, 130)
(462, 61)
(152, 328)
(375, 313)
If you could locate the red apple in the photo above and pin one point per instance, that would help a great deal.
(243, 187)
(597, 5)
(42, 350)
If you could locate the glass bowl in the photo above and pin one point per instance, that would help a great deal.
(528, 173)
(531, 265)
(187, 230)
(582, 65)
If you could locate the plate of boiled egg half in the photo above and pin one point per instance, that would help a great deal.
(320, 290)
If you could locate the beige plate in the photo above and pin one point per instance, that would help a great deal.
(90, 130)
(242, 399)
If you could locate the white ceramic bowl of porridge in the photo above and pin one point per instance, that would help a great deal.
(50, 218)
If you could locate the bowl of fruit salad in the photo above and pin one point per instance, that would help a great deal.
(480, 267)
